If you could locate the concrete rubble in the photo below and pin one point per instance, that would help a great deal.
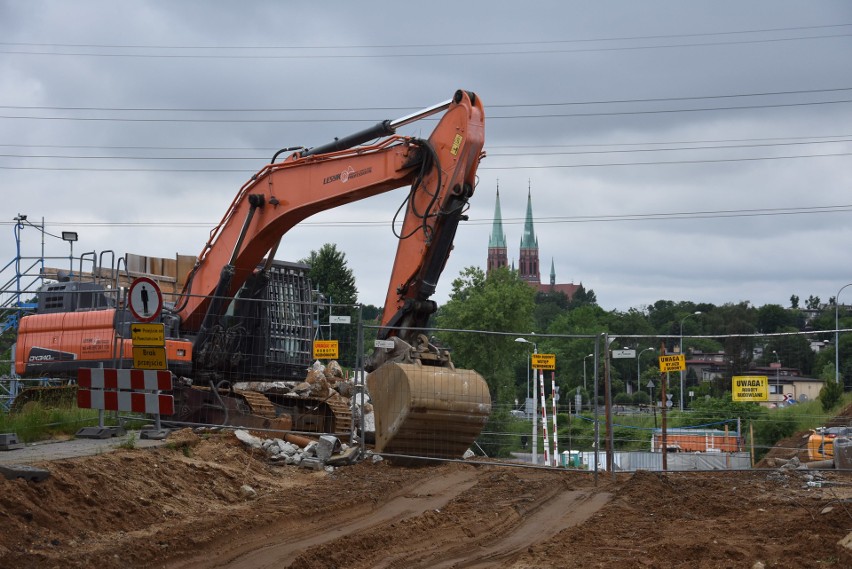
(327, 452)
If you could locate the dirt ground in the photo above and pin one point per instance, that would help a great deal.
(186, 506)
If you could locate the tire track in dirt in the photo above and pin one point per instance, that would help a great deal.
(566, 510)
(508, 536)
(283, 543)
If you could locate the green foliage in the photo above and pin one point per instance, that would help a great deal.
(641, 398)
(830, 394)
(493, 441)
(502, 302)
(773, 318)
(718, 409)
(548, 305)
(129, 443)
(330, 274)
(623, 399)
(582, 297)
(40, 423)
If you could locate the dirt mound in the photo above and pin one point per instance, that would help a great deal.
(209, 501)
(796, 445)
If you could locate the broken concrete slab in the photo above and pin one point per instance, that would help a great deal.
(12, 471)
(9, 441)
(100, 432)
(326, 447)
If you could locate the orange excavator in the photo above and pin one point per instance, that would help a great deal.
(424, 406)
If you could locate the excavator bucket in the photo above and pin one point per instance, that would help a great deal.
(427, 411)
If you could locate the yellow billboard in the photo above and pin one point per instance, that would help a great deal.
(326, 349)
(673, 363)
(750, 388)
(543, 361)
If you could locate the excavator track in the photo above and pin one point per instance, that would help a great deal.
(257, 402)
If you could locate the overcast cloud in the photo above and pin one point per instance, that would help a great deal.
(606, 111)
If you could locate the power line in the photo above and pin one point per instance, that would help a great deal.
(815, 138)
(314, 56)
(469, 44)
(538, 167)
(659, 216)
(492, 154)
(349, 120)
(400, 109)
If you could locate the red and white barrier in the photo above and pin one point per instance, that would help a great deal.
(544, 418)
(555, 432)
(133, 390)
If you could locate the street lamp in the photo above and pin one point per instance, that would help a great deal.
(70, 236)
(696, 313)
(777, 374)
(529, 363)
(638, 376)
(584, 370)
(535, 401)
(837, 334)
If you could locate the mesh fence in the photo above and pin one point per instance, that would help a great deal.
(579, 401)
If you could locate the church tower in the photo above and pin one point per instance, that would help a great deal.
(528, 268)
(498, 255)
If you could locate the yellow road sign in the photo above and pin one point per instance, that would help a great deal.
(326, 349)
(750, 388)
(148, 334)
(673, 363)
(145, 357)
(543, 361)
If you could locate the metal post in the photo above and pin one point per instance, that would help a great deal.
(535, 417)
(837, 334)
(696, 313)
(638, 372)
(608, 407)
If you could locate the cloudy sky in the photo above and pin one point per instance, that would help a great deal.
(674, 150)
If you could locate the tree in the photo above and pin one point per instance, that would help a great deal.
(794, 301)
(812, 303)
(582, 297)
(330, 275)
(548, 305)
(830, 394)
(772, 318)
(336, 282)
(500, 302)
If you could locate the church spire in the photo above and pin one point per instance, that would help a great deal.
(498, 238)
(528, 241)
(552, 273)
(498, 255)
(529, 269)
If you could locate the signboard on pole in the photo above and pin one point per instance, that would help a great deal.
(750, 388)
(623, 354)
(144, 299)
(326, 350)
(543, 361)
(149, 357)
(672, 363)
(148, 334)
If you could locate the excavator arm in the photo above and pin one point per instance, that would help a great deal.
(441, 172)
(423, 405)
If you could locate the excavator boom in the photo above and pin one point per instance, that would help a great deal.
(421, 400)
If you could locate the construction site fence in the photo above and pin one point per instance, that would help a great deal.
(604, 396)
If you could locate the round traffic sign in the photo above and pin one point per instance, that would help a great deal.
(145, 299)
